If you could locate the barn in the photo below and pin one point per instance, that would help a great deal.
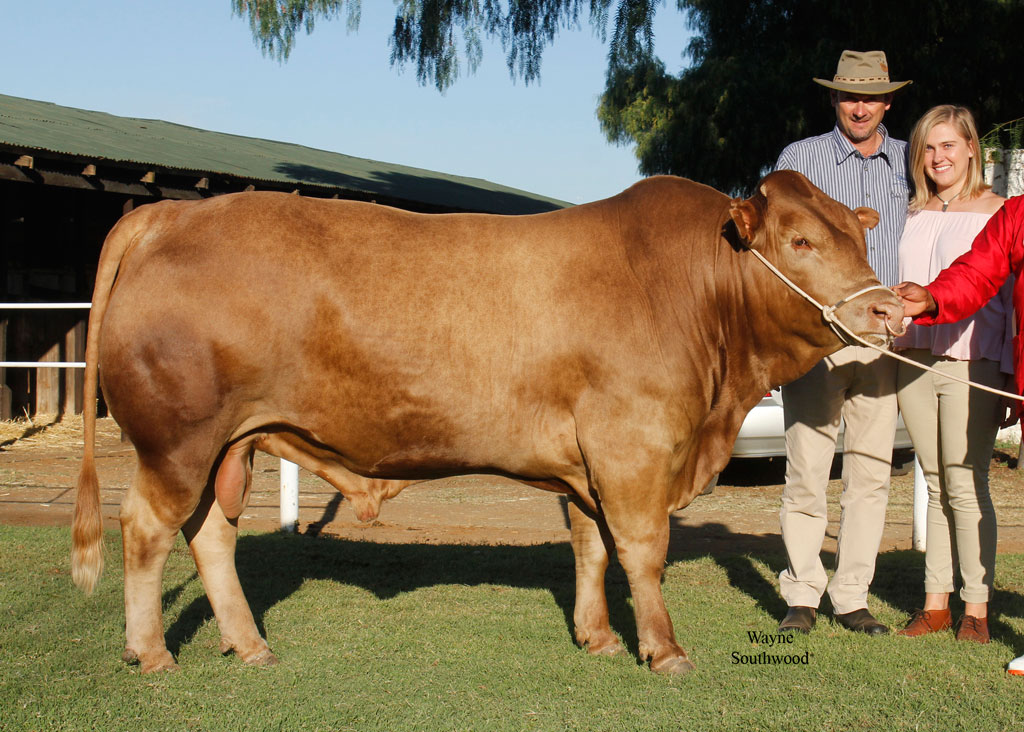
(67, 175)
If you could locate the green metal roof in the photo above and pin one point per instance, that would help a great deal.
(43, 126)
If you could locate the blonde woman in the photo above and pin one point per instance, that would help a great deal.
(953, 428)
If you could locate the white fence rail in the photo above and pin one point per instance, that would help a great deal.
(1004, 171)
(44, 306)
(289, 471)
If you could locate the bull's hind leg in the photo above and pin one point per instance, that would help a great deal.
(212, 538)
(591, 546)
(149, 525)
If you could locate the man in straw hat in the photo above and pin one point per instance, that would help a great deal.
(858, 164)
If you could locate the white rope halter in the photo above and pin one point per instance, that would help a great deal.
(846, 335)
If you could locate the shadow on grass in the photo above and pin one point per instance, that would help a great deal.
(273, 566)
(899, 580)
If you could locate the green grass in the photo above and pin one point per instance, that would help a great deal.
(376, 637)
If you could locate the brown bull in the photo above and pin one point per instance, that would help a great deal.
(609, 351)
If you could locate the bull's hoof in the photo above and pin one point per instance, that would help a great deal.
(675, 666)
(264, 658)
(613, 648)
(161, 666)
(160, 662)
(599, 642)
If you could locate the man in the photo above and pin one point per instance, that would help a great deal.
(858, 164)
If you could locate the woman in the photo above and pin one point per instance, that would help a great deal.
(953, 427)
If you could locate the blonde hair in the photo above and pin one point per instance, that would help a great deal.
(961, 120)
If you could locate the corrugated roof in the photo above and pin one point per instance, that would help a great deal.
(44, 126)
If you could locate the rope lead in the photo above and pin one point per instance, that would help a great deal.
(828, 313)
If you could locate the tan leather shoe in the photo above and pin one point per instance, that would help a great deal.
(973, 629)
(923, 622)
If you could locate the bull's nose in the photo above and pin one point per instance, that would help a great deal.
(890, 313)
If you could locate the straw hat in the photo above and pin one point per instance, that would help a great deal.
(863, 72)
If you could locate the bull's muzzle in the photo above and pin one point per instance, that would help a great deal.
(874, 311)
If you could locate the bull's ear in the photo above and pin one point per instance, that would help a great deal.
(748, 218)
(868, 217)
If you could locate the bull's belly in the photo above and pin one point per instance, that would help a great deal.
(368, 476)
(375, 447)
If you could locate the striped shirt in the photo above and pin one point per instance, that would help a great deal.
(832, 163)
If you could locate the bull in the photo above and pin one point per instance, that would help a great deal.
(608, 352)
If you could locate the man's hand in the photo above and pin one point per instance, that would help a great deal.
(915, 299)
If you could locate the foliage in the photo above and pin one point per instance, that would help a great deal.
(1004, 136)
(746, 90)
(427, 637)
(428, 32)
(274, 23)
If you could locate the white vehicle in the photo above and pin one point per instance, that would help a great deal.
(763, 433)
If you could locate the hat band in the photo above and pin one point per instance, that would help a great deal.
(859, 79)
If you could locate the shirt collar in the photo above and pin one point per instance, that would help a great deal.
(844, 148)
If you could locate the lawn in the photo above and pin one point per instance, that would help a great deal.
(422, 637)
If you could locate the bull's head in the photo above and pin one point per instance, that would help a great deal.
(819, 244)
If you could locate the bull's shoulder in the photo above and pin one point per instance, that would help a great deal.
(676, 203)
(671, 187)
(668, 209)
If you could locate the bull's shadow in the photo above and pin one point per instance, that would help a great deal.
(273, 566)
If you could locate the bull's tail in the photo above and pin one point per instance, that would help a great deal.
(87, 526)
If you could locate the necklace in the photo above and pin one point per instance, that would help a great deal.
(945, 203)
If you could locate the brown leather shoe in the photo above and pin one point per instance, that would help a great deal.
(923, 622)
(973, 629)
(861, 621)
(798, 618)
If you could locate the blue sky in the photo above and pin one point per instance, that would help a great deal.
(192, 62)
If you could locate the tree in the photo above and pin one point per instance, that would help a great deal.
(433, 34)
(747, 92)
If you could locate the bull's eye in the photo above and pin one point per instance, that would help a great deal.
(800, 242)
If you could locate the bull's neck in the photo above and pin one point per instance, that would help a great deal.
(769, 334)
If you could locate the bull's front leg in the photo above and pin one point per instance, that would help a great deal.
(639, 524)
(591, 546)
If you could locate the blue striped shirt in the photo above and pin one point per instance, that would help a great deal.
(832, 163)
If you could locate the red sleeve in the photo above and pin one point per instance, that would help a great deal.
(965, 286)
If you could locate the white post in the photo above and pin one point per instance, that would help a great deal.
(920, 507)
(289, 496)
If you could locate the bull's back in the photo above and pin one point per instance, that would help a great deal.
(365, 325)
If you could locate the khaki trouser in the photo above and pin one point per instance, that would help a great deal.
(859, 385)
(953, 428)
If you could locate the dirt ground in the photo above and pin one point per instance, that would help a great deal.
(39, 463)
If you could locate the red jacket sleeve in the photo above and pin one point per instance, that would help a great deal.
(971, 281)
